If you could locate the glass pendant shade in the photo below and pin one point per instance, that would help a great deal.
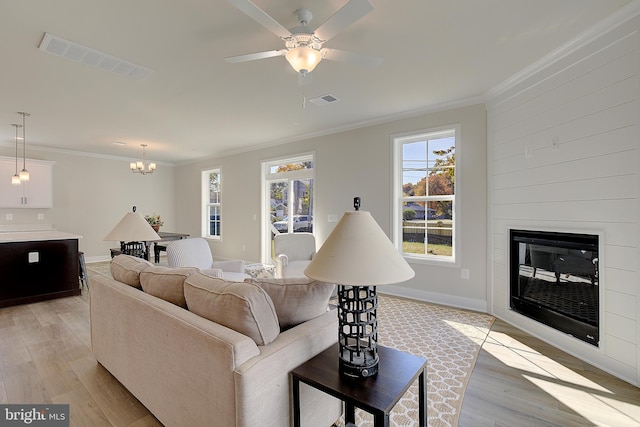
(24, 173)
(15, 179)
(303, 59)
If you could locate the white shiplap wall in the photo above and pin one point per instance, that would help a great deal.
(563, 156)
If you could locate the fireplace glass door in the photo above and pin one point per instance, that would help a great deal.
(554, 280)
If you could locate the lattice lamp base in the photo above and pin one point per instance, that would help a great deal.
(358, 330)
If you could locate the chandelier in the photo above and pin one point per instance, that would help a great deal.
(141, 166)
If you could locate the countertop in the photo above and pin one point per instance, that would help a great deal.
(34, 236)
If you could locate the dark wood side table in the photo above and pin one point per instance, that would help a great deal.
(376, 395)
(157, 246)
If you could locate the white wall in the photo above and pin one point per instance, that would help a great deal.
(348, 164)
(92, 193)
(588, 101)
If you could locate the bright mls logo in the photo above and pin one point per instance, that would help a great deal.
(34, 415)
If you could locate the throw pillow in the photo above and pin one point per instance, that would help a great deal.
(166, 283)
(243, 307)
(296, 299)
(127, 269)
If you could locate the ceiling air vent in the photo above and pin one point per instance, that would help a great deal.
(76, 52)
(324, 99)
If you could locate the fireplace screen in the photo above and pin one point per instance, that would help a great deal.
(554, 280)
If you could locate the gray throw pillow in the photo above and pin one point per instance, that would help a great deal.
(296, 299)
(240, 306)
(127, 269)
(166, 283)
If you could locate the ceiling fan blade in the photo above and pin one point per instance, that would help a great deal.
(305, 79)
(354, 58)
(347, 15)
(254, 56)
(261, 17)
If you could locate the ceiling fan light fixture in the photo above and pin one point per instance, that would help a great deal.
(303, 59)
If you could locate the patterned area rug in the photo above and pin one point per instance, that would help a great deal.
(448, 338)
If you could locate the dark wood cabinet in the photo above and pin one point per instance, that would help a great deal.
(38, 270)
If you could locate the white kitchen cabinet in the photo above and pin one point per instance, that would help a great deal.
(35, 193)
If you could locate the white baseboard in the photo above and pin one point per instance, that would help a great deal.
(102, 258)
(436, 298)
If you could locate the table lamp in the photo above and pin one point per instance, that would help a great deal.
(132, 228)
(357, 256)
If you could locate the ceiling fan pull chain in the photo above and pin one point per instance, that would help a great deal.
(304, 98)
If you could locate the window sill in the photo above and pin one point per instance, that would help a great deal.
(436, 262)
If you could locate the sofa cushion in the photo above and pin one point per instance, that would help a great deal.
(166, 283)
(243, 307)
(127, 269)
(296, 299)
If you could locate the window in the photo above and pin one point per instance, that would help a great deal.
(424, 195)
(211, 197)
(288, 198)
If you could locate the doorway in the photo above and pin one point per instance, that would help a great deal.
(288, 199)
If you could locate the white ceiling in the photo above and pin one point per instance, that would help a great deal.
(195, 104)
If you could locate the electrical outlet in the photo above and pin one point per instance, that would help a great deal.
(40, 216)
(8, 217)
(464, 273)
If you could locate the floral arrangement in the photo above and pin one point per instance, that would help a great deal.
(154, 219)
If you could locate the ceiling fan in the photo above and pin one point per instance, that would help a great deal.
(303, 45)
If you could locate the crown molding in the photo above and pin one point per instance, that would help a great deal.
(80, 153)
(630, 11)
(351, 126)
(619, 17)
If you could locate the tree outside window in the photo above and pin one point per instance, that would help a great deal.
(425, 194)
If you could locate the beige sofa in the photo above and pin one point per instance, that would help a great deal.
(191, 371)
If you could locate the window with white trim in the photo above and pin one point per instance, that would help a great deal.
(211, 203)
(424, 211)
(288, 198)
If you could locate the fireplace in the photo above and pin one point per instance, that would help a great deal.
(554, 280)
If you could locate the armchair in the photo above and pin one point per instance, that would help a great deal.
(294, 251)
(195, 252)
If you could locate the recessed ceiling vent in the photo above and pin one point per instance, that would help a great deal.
(324, 99)
(76, 52)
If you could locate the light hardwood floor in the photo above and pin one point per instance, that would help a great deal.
(45, 357)
(520, 380)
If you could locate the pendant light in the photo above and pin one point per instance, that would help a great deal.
(15, 179)
(24, 173)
